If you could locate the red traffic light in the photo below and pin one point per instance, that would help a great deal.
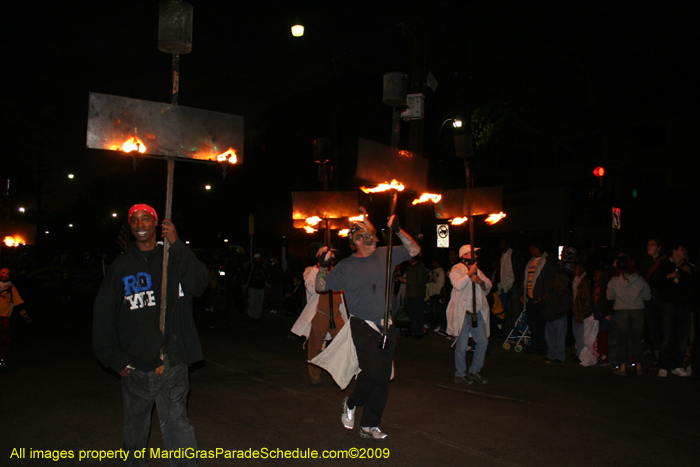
(599, 172)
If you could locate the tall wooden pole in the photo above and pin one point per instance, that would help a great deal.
(389, 271)
(169, 204)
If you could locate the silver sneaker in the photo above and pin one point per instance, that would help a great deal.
(348, 417)
(680, 371)
(477, 378)
(372, 432)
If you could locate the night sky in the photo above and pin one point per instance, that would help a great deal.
(521, 68)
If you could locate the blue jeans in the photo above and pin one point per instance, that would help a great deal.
(482, 342)
(555, 335)
(630, 326)
(169, 393)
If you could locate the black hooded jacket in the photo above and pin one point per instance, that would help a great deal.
(127, 309)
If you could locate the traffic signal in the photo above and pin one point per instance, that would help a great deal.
(599, 172)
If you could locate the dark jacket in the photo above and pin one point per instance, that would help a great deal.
(557, 305)
(559, 301)
(127, 309)
(670, 291)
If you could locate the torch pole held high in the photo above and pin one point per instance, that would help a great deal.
(168, 207)
(389, 272)
(331, 312)
(467, 169)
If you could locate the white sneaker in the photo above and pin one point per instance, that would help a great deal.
(663, 373)
(373, 432)
(348, 417)
(679, 372)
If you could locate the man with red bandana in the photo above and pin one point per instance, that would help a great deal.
(153, 365)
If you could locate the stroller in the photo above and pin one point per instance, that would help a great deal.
(519, 335)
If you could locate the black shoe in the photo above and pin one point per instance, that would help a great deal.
(463, 380)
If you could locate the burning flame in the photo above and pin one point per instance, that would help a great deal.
(134, 144)
(231, 152)
(344, 233)
(459, 220)
(493, 218)
(13, 241)
(427, 197)
(313, 220)
(310, 229)
(359, 218)
(394, 185)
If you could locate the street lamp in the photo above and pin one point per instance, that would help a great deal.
(298, 28)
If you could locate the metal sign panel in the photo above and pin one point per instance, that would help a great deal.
(488, 200)
(164, 129)
(443, 236)
(335, 224)
(380, 163)
(324, 204)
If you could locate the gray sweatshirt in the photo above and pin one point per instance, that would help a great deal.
(629, 292)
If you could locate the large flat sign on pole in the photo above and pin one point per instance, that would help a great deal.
(163, 129)
(380, 163)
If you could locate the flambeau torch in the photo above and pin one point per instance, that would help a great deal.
(394, 187)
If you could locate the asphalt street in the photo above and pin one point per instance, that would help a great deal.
(252, 393)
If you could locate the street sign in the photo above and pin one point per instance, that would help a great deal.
(616, 224)
(443, 236)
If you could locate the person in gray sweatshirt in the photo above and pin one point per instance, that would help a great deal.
(629, 290)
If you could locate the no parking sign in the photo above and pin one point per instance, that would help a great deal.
(443, 236)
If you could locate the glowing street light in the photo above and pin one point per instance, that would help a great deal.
(297, 29)
(21, 209)
(207, 187)
(71, 176)
(114, 214)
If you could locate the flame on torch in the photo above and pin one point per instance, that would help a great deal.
(394, 185)
(310, 223)
(459, 220)
(493, 218)
(427, 197)
(344, 233)
(13, 241)
(134, 144)
(231, 152)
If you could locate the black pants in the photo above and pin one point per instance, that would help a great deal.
(372, 386)
(536, 323)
